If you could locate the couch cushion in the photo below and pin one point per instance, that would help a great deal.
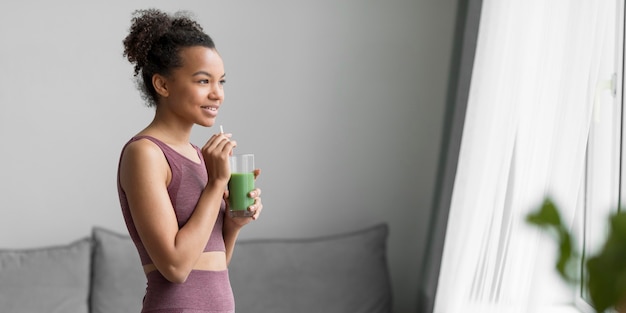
(118, 282)
(50, 280)
(340, 273)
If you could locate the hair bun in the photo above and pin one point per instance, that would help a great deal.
(147, 26)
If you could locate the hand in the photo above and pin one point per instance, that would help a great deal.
(255, 194)
(215, 153)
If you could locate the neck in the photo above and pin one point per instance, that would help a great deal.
(168, 129)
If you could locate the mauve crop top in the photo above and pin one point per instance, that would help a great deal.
(188, 181)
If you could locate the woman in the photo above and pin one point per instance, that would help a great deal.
(171, 192)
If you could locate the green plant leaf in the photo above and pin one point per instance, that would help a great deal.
(566, 261)
(548, 218)
(547, 215)
(607, 269)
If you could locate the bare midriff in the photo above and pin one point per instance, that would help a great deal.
(208, 261)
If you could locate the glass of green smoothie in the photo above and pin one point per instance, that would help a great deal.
(240, 184)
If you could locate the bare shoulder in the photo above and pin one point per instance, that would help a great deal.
(142, 148)
(142, 159)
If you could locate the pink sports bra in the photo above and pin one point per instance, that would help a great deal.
(188, 181)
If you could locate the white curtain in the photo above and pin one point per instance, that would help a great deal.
(537, 67)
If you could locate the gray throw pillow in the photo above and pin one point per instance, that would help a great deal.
(47, 280)
(340, 273)
(118, 282)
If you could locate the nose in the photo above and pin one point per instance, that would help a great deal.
(217, 92)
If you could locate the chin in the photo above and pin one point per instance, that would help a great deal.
(208, 123)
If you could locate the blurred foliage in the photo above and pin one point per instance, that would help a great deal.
(606, 270)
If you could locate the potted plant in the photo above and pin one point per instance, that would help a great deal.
(606, 270)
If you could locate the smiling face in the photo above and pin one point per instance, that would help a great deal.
(194, 92)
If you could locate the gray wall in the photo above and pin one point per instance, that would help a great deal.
(347, 95)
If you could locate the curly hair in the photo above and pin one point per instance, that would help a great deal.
(153, 44)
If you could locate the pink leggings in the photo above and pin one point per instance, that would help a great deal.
(203, 292)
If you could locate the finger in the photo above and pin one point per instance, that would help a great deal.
(218, 141)
(258, 210)
(215, 138)
(228, 146)
(224, 143)
(254, 193)
(222, 148)
(256, 205)
(257, 172)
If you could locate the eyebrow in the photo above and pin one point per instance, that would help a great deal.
(206, 73)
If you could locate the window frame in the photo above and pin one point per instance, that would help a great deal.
(617, 89)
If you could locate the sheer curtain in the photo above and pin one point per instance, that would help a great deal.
(530, 105)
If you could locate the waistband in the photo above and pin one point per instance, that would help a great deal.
(203, 292)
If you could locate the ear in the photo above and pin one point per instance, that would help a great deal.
(160, 85)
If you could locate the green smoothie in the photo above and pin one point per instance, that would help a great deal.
(239, 186)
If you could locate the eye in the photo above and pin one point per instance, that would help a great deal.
(222, 82)
(203, 81)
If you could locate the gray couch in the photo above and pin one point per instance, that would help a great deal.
(344, 273)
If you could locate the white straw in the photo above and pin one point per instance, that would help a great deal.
(221, 129)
